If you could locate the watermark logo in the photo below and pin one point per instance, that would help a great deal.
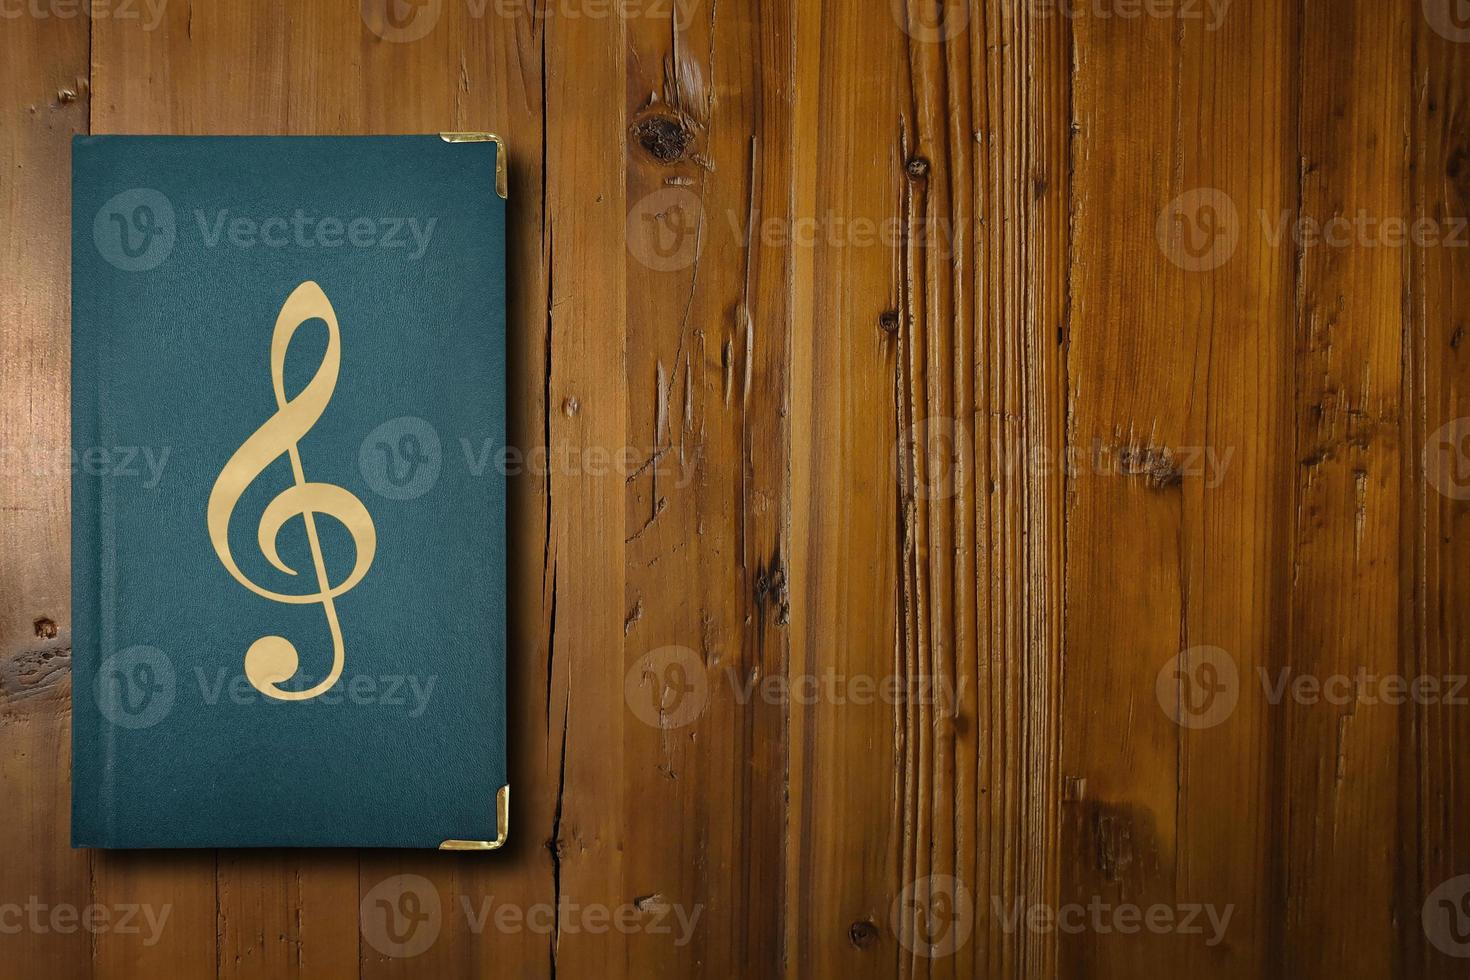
(934, 460)
(401, 916)
(135, 230)
(931, 21)
(126, 919)
(1199, 230)
(401, 458)
(651, 915)
(300, 230)
(1447, 459)
(931, 458)
(1199, 687)
(1450, 19)
(408, 694)
(135, 688)
(679, 12)
(667, 688)
(142, 463)
(1209, 12)
(1446, 917)
(150, 12)
(401, 21)
(664, 229)
(1364, 687)
(670, 687)
(934, 916)
(1104, 918)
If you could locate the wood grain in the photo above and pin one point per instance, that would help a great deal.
(960, 352)
(43, 75)
(708, 124)
(1340, 763)
(846, 772)
(1434, 780)
(1179, 355)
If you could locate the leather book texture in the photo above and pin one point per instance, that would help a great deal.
(288, 492)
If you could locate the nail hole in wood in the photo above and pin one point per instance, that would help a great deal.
(863, 934)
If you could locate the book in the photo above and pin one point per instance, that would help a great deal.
(288, 494)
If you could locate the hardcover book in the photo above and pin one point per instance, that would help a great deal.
(288, 521)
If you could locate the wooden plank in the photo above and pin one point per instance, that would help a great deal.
(950, 354)
(43, 74)
(275, 918)
(1340, 819)
(586, 310)
(1179, 378)
(1016, 408)
(1434, 581)
(708, 272)
(845, 781)
(506, 93)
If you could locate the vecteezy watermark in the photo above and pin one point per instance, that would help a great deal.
(1450, 19)
(680, 13)
(1104, 918)
(670, 688)
(1201, 229)
(404, 21)
(934, 916)
(931, 21)
(138, 229)
(651, 915)
(403, 916)
(1363, 686)
(665, 229)
(400, 459)
(409, 692)
(935, 459)
(307, 231)
(148, 12)
(135, 230)
(1363, 230)
(122, 919)
(1210, 13)
(1201, 687)
(136, 687)
(401, 21)
(1447, 459)
(1446, 917)
(403, 459)
(667, 688)
(143, 463)
(835, 230)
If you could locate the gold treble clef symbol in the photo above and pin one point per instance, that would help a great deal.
(272, 659)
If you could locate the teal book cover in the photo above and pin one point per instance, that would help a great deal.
(288, 517)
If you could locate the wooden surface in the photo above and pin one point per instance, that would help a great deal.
(954, 386)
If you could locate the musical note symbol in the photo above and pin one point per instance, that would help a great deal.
(272, 659)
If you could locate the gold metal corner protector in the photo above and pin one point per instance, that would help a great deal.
(502, 828)
(501, 176)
